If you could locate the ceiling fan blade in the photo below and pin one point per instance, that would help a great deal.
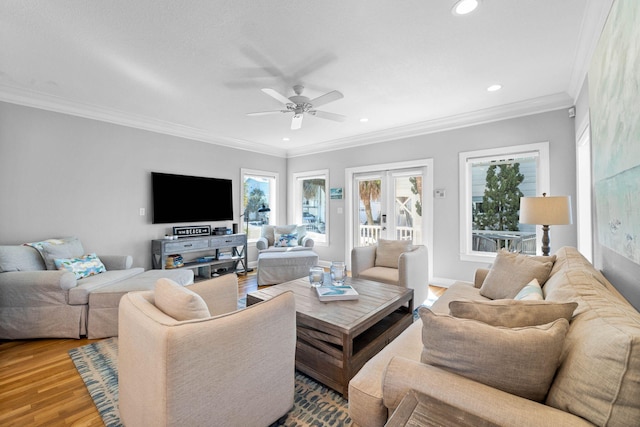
(326, 115)
(276, 95)
(296, 122)
(326, 98)
(263, 113)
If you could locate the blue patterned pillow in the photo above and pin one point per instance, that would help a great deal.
(286, 240)
(85, 266)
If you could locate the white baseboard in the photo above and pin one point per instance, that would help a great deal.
(443, 282)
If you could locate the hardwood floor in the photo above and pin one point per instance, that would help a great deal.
(39, 384)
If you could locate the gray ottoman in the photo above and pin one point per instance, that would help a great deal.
(103, 303)
(280, 267)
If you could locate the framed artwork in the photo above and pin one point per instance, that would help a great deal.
(614, 79)
(336, 193)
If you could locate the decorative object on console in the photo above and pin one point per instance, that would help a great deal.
(545, 211)
(192, 230)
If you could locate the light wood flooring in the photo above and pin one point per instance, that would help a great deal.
(39, 384)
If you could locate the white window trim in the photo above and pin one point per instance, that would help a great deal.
(542, 177)
(295, 208)
(273, 195)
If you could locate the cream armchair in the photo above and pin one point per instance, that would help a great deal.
(230, 368)
(396, 262)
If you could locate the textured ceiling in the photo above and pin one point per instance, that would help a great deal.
(195, 68)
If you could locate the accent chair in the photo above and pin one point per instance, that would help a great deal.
(397, 262)
(187, 356)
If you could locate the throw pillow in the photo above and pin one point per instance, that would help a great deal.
(81, 267)
(510, 273)
(520, 361)
(52, 249)
(286, 240)
(512, 313)
(388, 252)
(179, 302)
(531, 292)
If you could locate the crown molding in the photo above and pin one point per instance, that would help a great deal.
(29, 98)
(593, 21)
(502, 112)
(48, 102)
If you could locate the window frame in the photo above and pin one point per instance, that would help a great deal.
(273, 194)
(466, 159)
(295, 210)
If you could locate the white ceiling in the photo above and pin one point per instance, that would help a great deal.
(195, 68)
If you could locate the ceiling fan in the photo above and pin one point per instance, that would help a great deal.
(299, 105)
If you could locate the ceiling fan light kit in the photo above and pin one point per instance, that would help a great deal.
(299, 104)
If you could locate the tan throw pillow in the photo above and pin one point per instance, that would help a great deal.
(510, 273)
(388, 252)
(179, 302)
(511, 313)
(520, 361)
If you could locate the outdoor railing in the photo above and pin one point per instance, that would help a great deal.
(514, 241)
(370, 234)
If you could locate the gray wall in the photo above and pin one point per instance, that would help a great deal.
(62, 175)
(443, 147)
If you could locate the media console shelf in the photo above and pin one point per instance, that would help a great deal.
(218, 254)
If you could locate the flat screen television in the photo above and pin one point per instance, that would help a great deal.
(183, 198)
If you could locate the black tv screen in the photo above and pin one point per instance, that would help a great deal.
(182, 198)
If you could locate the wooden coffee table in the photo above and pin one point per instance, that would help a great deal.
(335, 339)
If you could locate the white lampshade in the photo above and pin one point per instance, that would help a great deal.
(545, 210)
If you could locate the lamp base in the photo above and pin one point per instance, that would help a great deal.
(545, 241)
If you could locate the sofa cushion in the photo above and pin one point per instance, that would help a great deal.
(599, 375)
(20, 258)
(531, 292)
(80, 293)
(510, 273)
(388, 252)
(381, 274)
(520, 361)
(512, 313)
(52, 249)
(82, 267)
(179, 302)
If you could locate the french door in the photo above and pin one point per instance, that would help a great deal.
(388, 204)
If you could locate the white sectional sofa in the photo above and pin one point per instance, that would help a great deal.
(37, 300)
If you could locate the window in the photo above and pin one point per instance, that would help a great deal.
(258, 193)
(491, 184)
(310, 194)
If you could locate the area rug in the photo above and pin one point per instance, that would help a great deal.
(314, 404)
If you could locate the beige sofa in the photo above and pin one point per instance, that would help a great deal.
(216, 365)
(597, 381)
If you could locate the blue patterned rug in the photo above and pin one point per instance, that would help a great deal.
(314, 404)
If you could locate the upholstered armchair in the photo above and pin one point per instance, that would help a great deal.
(397, 262)
(188, 357)
(284, 238)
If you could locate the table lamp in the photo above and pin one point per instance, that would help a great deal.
(545, 211)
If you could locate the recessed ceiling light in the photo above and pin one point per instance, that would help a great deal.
(286, 139)
(462, 7)
(494, 88)
(364, 120)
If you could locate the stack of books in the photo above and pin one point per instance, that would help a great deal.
(336, 293)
